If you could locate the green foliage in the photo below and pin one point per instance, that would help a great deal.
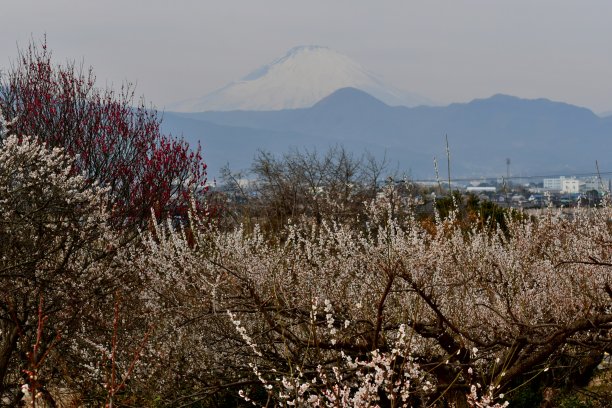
(571, 400)
(448, 204)
(527, 396)
(471, 211)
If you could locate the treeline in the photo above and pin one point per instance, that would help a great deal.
(337, 184)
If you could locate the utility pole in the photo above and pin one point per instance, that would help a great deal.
(507, 183)
(508, 168)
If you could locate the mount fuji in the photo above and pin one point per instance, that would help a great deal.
(299, 79)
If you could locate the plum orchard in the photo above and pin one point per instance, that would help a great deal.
(394, 314)
(383, 311)
(357, 302)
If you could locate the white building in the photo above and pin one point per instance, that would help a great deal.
(570, 186)
(552, 184)
(478, 189)
(562, 184)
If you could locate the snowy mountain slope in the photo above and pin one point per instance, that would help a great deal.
(301, 78)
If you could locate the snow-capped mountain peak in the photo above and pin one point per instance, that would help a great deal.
(299, 79)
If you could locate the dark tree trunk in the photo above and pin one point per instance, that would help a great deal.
(8, 343)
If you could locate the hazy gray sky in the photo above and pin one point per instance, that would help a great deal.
(449, 51)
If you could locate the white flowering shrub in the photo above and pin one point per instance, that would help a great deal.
(53, 240)
(315, 312)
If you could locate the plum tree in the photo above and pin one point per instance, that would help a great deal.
(114, 143)
(54, 236)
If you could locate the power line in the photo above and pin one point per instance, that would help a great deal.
(522, 177)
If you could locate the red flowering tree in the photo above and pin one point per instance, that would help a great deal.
(115, 143)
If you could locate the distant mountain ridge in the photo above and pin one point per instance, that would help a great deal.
(299, 79)
(540, 136)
